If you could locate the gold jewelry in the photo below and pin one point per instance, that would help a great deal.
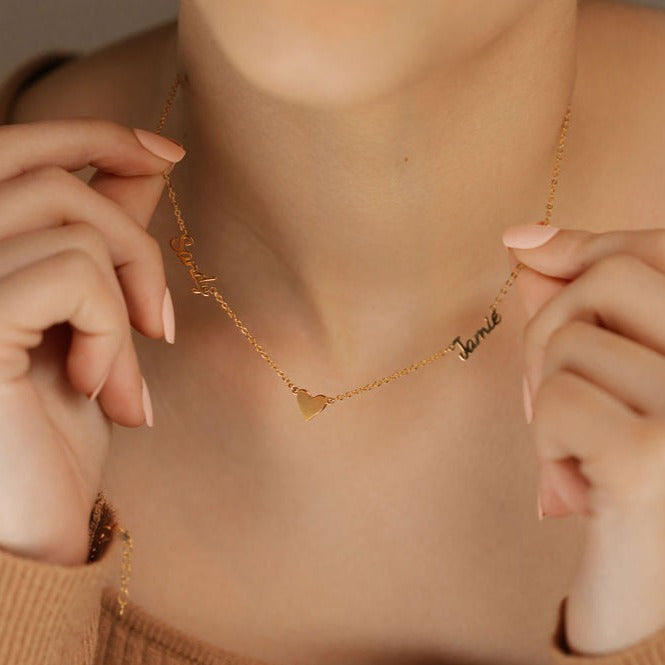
(100, 528)
(309, 404)
(102, 519)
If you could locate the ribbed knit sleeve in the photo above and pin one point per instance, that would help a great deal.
(49, 613)
(648, 651)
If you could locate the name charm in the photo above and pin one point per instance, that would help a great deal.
(472, 344)
(179, 245)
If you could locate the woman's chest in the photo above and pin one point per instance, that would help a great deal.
(397, 525)
(402, 522)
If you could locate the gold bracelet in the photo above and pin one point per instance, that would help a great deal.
(102, 524)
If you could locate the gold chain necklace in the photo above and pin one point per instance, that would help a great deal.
(309, 404)
(102, 520)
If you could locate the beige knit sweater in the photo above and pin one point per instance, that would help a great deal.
(68, 615)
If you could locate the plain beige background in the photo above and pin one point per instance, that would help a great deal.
(28, 27)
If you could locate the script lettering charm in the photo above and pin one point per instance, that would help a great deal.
(179, 245)
(472, 344)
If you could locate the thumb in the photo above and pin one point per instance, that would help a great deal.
(534, 288)
(551, 256)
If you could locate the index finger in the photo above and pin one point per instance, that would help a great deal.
(74, 143)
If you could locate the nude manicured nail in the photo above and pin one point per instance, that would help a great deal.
(540, 507)
(528, 410)
(160, 145)
(527, 236)
(168, 317)
(147, 404)
(96, 391)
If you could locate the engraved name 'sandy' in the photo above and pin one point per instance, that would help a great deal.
(471, 345)
(179, 245)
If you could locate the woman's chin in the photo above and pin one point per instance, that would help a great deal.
(318, 82)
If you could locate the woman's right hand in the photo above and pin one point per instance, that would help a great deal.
(77, 268)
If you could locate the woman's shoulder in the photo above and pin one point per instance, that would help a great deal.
(618, 111)
(621, 64)
(26, 73)
(622, 46)
(117, 81)
(635, 17)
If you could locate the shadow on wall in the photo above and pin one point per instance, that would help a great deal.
(29, 27)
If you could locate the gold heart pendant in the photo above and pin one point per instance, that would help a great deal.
(310, 405)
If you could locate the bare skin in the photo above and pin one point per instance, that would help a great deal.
(400, 525)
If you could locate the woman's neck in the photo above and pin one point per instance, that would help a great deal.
(350, 220)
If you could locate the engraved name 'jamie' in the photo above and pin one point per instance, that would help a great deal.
(179, 245)
(472, 344)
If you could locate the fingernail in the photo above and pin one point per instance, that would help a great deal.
(147, 404)
(540, 507)
(160, 145)
(512, 259)
(528, 409)
(95, 392)
(168, 317)
(527, 236)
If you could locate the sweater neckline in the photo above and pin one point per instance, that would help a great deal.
(139, 623)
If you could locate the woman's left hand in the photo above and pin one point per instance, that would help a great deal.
(594, 350)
